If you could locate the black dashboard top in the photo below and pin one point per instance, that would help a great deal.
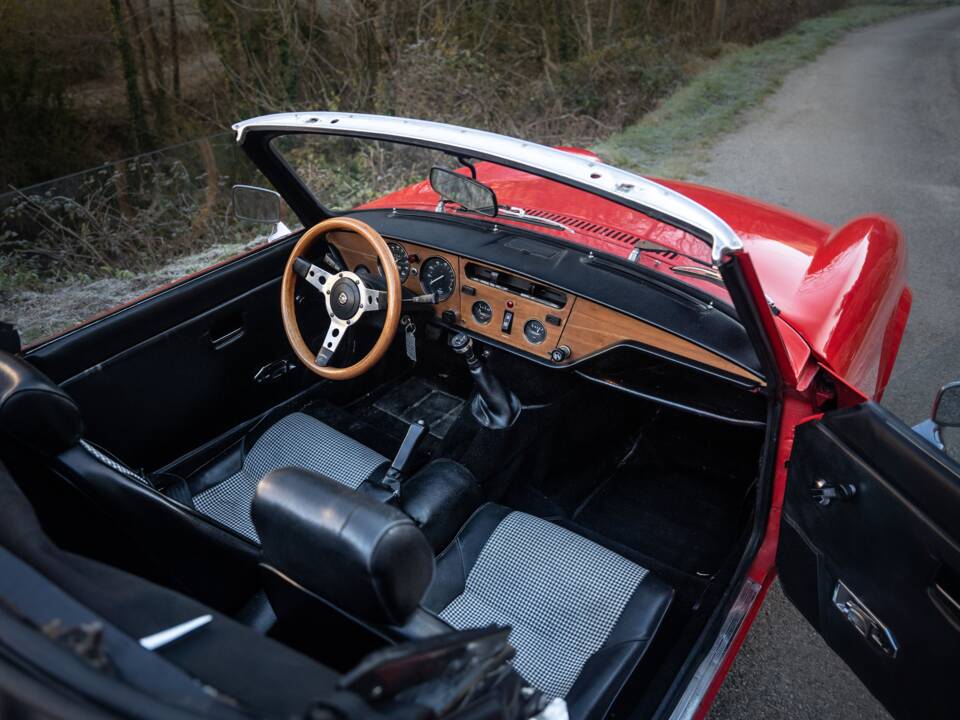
(623, 286)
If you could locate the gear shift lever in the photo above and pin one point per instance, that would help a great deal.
(492, 405)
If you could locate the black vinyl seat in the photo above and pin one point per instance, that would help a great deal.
(294, 440)
(582, 616)
(260, 674)
(189, 539)
(38, 416)
(95, 641)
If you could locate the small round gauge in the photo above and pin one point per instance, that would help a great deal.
(482, 312)
(436, 276)
(534, 331)
(402, 260)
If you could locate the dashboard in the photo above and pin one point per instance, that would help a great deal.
(524, 314)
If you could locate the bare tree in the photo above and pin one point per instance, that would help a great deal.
(175, 49)
(141, 131)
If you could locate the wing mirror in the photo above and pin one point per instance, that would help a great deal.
(466, 192)
(946, 413)
(256, 204)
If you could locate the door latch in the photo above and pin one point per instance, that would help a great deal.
(273, 371)
(824, 492)
(874, 632)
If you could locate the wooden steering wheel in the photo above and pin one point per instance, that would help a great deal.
(347, 298)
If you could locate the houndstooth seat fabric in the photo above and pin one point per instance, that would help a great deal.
(569, 601)
(296, 440)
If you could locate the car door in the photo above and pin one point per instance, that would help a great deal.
(869, 552)
(172, 371)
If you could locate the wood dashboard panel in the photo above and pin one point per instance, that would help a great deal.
(592, 327)
(524, 310)
(585, 327)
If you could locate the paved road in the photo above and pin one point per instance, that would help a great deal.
(871, 126)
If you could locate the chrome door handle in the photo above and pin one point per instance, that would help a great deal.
(273, 371)
(867, 625)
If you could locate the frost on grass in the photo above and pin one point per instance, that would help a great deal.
(39, 313)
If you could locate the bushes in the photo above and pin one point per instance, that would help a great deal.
(127, 217)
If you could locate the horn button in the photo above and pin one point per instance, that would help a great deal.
(344, 298)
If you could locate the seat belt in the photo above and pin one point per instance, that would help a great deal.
(32, 598)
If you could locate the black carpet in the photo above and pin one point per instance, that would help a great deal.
(417, 399)
(685, 520)
(381, 418)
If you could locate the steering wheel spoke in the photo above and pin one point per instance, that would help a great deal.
(313, 274)
(335, 333)
(375, 299)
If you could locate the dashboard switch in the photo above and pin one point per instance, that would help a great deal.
(554, 320)
(449, 317)
(507, 324)
(559, 354)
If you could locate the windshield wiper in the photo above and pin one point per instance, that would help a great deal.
(516, 213)
(708, 274)
(650, 246)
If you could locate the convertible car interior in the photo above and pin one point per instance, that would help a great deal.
(392, 426)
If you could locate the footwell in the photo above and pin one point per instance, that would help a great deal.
(416, 399)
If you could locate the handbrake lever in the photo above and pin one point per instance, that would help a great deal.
(394, 475)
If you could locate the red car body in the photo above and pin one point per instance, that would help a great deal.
(839, 299)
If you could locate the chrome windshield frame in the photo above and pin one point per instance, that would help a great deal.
(599, 178)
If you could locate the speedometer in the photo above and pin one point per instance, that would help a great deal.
(402, 260)
(437, 276)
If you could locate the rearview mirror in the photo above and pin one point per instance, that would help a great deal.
(256, 204)
(468, 193)
(946, 408)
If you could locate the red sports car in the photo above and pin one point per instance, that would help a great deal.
(498, 431)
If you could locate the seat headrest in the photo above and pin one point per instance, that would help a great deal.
(34, 411)
(359, 554)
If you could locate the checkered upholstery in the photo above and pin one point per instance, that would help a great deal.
(296, 440)
(561, 593)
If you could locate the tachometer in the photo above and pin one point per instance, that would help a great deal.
(402, 260)
(437, 276)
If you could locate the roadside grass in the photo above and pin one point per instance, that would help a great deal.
(673, 140)
(40, 312)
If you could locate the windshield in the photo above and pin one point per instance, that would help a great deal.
(349, 173)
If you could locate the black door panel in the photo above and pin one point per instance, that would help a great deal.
(888, 554)
(76, 351)
(176, 370)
